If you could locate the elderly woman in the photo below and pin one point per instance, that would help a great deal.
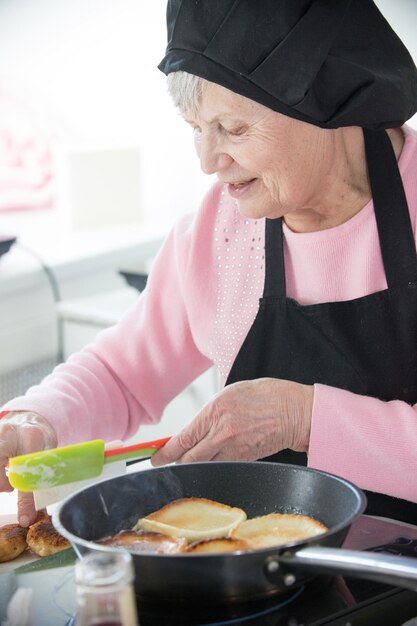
(298, 276)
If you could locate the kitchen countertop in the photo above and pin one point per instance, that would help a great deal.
(70, 252)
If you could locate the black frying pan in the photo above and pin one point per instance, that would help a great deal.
(258, 488)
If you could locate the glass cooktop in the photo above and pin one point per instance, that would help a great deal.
(333, 601)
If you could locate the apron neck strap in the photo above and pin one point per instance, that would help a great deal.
(274, 259)
(391, 210)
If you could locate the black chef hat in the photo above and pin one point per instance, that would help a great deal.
(328, 62)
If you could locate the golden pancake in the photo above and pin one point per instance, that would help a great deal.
(137, 542)
(194, 519)
(216, 546)
(42, 515)
(43, 539)
(12, 541)
(276, 529)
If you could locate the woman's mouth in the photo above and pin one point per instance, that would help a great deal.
(237, 190)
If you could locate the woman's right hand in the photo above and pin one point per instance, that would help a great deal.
(21, 433)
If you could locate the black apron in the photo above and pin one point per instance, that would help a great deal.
(367, 345)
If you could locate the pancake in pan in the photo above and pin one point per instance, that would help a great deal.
(277, 529)
(194, 519)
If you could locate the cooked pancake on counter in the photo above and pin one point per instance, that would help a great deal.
(12, 541)
(137, 542)
(193, 519)
(41, 537)
(44, 540)
(277, 528)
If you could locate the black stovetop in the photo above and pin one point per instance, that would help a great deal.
(337, 602)
(323, 601)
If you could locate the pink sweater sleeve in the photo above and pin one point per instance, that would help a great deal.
(368, 441)
(128, 376)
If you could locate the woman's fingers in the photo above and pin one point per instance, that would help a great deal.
(22, 433)
(178, 446)
(245, 421)
(4, 483)
(26, 512)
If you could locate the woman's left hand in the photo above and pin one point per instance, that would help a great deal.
(247, 420)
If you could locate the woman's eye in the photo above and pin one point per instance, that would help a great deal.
(236, 130)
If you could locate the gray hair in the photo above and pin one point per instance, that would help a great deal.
(185, 90)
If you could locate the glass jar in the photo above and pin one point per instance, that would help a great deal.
(104, 586)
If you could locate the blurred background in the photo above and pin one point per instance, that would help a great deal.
(85, 71)
(95, 166)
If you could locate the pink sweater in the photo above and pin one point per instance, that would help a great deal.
(201, 299)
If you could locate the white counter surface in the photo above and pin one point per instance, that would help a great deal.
(71, 252)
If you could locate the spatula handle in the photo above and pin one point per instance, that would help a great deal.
(134, 451)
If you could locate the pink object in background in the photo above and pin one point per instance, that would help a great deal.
(26, 175)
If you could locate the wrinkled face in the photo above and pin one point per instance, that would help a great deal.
(273, 165)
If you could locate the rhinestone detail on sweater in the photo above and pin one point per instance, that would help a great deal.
(239, 246)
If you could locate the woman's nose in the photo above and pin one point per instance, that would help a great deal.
(212, 158)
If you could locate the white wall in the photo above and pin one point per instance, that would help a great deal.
(90, 67)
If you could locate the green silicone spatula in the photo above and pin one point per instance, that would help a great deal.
(59, 466)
